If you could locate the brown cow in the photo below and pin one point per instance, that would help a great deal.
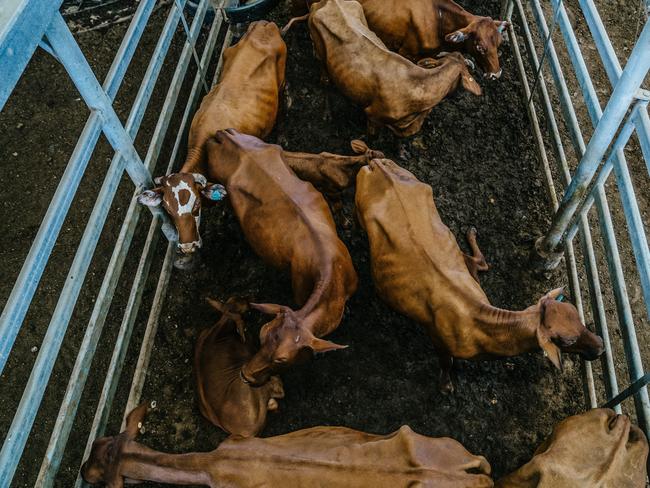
(246, 98)
(421, 272)
(392, 90)
(224, 399)
(288, 223)
(333, 457)
(597, 449)
(423, 28)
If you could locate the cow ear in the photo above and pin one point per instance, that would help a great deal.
(457, 37)
(214, 191)
(158, 180)
(470, 84)
(501, 25)
(358, 146)
(269, 308)
(551, 351)
(322, 345)
(135, 419)
(151, 198)
(199, 179)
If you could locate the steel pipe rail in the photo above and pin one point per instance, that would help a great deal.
(56, 38)
(621, 99)
(587, 184)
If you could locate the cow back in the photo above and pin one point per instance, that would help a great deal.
(342, 457)
(416, 262)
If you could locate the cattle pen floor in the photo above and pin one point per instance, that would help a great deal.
(477, 153)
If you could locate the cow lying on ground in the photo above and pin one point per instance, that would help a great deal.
(423, 28)
(333, 457)
(420, 271)
(246, 98)
(392, 90)
(597, 449)
(224, 399)
(287, 223)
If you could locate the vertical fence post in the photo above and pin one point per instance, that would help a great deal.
(548, 246)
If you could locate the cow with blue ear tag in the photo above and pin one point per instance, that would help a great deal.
(180, 195)
(256, 62)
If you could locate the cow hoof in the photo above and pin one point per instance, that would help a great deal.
(446, 387)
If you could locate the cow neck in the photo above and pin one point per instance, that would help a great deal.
(453, 17)
(317, 314)
(138, 462)
(509, 332)
(194, 162)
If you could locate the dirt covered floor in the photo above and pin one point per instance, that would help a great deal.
(477, 153)
(479, 156)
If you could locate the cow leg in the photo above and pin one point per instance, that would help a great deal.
(445, 384)
(476, 262)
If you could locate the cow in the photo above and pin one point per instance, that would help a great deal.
(418, 29)
(288, 224)
(420, 271)
(246, 98)
(596, 449)
(224, 399)
(335, 457)
(392, 90)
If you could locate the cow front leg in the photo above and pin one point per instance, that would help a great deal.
(445, 384)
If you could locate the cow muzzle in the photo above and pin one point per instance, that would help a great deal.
(493, 76)
(187, 255)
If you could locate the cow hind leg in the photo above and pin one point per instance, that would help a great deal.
(476, 262)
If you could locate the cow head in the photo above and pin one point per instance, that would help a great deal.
(561, 330)
(598, 447)
(482, 38)
(283, 341)
(180, 195)
(103, 463)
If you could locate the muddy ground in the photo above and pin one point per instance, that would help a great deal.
(478, 154)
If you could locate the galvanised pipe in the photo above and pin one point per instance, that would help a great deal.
(114, 370)
(626, 190)
(613, 70)
(591, 268)
(73, 60)
(23, 291)
(623, 95)
(67, 413)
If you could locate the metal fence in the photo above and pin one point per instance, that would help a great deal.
(625, 113)
(27, 24)
(24, 25)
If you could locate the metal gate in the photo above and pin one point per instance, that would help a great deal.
(28, 24)
(24, 25)
(625, 113)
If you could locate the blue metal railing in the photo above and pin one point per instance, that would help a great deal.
(626, 113)
(24, 25)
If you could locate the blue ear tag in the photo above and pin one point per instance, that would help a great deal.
(560, 298)
(217, 192)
